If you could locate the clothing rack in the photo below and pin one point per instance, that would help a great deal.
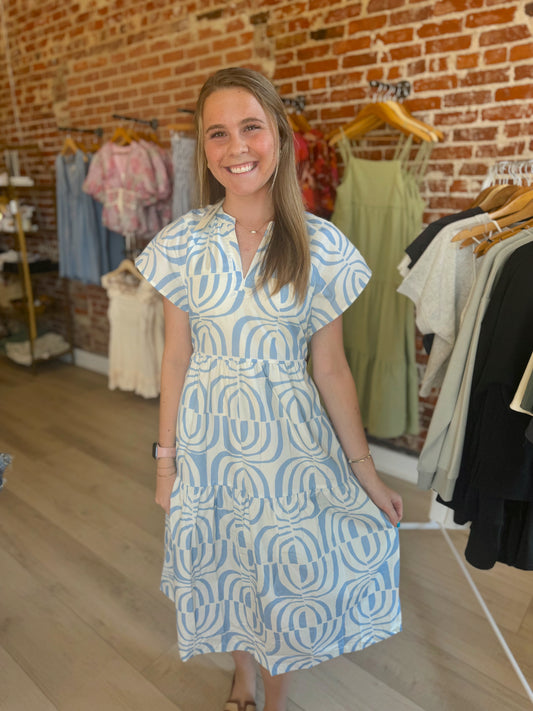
(434, 525)
(186, 125)
(153, 123)
(297, 102)
(510, 171)
(398, 91)
(504, 171)
(97, 131)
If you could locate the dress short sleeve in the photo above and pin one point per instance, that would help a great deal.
(163, 262)
(338, 272)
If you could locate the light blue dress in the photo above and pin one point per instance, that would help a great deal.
(272, 547)
(87, 249)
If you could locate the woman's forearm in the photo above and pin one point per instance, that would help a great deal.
(172, 378)
(339, 395)
(174, 365)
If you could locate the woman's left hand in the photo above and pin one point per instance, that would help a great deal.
(386, 499)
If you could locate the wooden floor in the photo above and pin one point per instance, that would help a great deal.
(84, 627)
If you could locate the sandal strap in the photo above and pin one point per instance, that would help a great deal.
(232, 705)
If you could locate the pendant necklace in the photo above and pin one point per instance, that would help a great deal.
(253, 232)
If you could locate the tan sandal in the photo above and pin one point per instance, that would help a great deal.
(232, 705)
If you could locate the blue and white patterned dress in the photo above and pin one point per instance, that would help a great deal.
(272, 547)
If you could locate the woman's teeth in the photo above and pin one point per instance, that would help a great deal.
(241, 168)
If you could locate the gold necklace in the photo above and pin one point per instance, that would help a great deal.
(253, 232)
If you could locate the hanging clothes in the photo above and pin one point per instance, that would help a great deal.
(126, 179)
(87, 249)
(159, 213)
(416, 249)
(183, 166)
(418, 246)
(440, 458)
(438, 284)
(494, 489)
(378, 206)
(523, 397)
(316, 163)
(136, 334)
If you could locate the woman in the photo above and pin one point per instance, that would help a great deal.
(281, 540)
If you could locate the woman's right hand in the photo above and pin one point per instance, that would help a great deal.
(164, 485)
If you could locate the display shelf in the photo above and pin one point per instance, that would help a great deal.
(25, 269)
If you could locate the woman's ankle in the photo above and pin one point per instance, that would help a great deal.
(244, 678)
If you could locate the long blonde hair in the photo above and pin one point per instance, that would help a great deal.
(287, 258)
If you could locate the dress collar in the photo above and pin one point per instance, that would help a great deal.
(210, 212)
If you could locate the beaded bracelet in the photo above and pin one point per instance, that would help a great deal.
(361, 459)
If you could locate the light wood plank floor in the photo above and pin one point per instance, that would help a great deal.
(84, 627)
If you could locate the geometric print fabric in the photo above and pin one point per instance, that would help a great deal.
(271, 545)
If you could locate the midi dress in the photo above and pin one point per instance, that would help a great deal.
(271, 545)
(378, 205)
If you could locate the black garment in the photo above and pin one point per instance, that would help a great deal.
(419, 245)
(494, 489)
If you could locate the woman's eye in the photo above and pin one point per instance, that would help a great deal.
(216, 134)
(252, 127)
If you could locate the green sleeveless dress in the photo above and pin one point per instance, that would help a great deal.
(379, 208)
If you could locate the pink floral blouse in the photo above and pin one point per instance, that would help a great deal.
(128, 179)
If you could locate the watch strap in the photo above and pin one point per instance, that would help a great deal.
(159, 452)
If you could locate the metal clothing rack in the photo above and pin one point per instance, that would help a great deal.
(517, 172)
(434, 525)
(99, 132)
(153, 123)
(504, 171)
(297, 102)
(388, 90)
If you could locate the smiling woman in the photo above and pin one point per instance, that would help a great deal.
(287, 252)
(241, 153)
(275, 551)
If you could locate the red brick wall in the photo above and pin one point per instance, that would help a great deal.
(77, 63)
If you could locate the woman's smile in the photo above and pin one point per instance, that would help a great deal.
(239, 169)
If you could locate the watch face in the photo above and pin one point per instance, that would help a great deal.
(154, 450)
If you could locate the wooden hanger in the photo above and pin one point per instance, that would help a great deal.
(123, 136)
(515, 204)
(364, 125)
(126, 265)
(300, 121)
(498, 198)
(484, 194)
(484, 246)
(487, 196)
(181, 127)
(402, 110)
(393, 114)
(517, 209)
(94, 147)
(71, 147)
(150, 137)
(292, 123)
